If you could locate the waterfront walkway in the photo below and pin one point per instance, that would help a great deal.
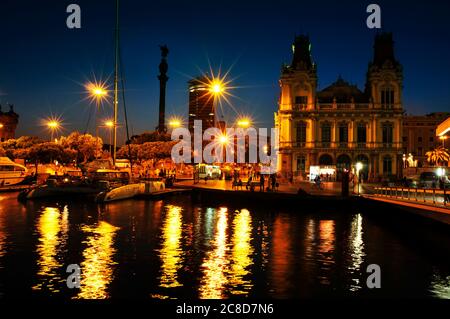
(329, 188)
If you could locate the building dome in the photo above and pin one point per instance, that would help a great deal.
(342, 92)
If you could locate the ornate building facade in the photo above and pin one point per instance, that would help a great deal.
(8, 123)
(341, 124)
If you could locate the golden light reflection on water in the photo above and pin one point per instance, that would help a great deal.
(356, 250)
(52, 229)
(326, 249)
(214, 279)
(241, 253)
(281, 255)
(98, 265)
(171, 252)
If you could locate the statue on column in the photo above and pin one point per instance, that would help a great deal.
(163, 68)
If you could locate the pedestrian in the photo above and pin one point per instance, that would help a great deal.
(274, 182)
(261, 183)
(249, 183)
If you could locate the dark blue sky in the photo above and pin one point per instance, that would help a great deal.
(43, 63)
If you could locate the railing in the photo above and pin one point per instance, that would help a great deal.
(424, 195)
(351, 145)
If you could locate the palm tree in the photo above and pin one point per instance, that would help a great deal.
(438, 155)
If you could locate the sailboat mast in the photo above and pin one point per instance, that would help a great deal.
(116, 82)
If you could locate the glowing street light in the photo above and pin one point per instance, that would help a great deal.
(223, 139)
(98, 93)
(175, 122)
(216, 87)
(244, 122)
(53, 125)
(110, 125)
(1, 125)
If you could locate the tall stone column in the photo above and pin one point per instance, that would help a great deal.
(163, 78)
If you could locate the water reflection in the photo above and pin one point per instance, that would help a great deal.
(98, 265)
(171, 252)
(281, 255)
(356, 250)
(241, 253)
(214, 280)
(52, 229)
(326, 250)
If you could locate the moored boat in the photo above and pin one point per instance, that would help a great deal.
(11, 173)
(131, 191)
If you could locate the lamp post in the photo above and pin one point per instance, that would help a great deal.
(97, 92)
(217, 89)
(110, 125)
(175, 122)
(53, 125)
(244, 122)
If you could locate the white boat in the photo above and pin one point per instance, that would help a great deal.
(11, 173)
(131, 191)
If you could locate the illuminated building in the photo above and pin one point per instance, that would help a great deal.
(201, 103)
(8, 123)
(341, 124)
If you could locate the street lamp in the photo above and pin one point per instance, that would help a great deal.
(53, 125)
(223, 139)
(359, 167)
(97, 92)
(216, 87)
(110, 125)
(175, 122)
(244, 122)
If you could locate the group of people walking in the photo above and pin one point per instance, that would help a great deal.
(255, 180)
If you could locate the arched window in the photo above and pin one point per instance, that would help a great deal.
(325, 160)
(387, 97)
(387, 165)
(301, 132)
(361, 133)
(387, 130)
(301, 163)
(326, 132)
(343, 133)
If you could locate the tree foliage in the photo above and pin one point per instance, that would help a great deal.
(438, 156)
(154, 136)
(86, 146)
(147, 151)
(76, 146)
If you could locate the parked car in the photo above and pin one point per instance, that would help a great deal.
(428, 180)
(413, 181)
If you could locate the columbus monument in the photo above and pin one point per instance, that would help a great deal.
(163, 67)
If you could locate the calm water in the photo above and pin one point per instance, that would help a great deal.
(177, 249)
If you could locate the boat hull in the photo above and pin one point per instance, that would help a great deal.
(47, 191)
(130, 191)
(11, 179)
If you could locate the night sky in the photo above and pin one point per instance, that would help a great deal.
(43, 64)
